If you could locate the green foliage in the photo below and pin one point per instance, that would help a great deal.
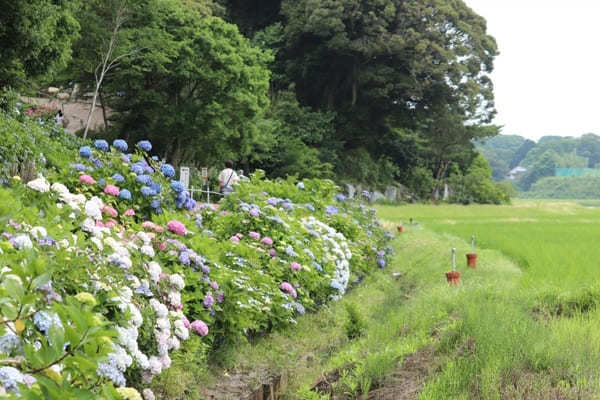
(553, 187)
(355, 325)
(198, 78)
(543, 167)
(477, 185)
(36, 37)
(30, 147)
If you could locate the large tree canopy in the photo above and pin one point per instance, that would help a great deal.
(198, 88)
(35, 37)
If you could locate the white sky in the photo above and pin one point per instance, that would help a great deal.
(547, 76)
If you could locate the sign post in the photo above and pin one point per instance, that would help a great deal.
(184, 177)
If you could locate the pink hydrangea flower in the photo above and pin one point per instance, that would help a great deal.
(129, 212)
(214, 285)
(100, 224)
(110, 211)
(110, 223)
(186, 323)
(162, 246)
(254, 235)
(254, 213)
(200, 327)
(234, 239)
(86, 179)
(295, 266)
(273, 252)
(267, 240)
(177, 227)
(151, 235)
(162, 276)
(112, 190)
(286, 287)
(239, 235)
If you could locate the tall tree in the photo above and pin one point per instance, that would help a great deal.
(199, 89)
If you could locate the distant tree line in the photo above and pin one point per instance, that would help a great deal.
(504, 152)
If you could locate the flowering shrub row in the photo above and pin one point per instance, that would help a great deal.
(113, 266)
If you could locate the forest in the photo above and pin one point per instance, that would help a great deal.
(366, 91)
(556, 166)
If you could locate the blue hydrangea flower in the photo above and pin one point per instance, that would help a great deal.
(199, 220)
(317, 266)
(381, 263)
(177, 186)
(109, 370)
(97, 163)
(120, 145)
(79, 167)
(158, 210)
(85, 151)
(144, 180)
(190, 204)
(155, 204)
(366, 194)
(44, 321)
(9, 343)
(184, 258)
(156, 187)
(145, 290)
(118, 177)
(340, 198)
(300, 185)
(137, 169)
(125, 194)
(309, 207)
(10, 378)
(145, 145)
(331, 210)
(148, 169)
(290, 252)
(101, 182)
(272, 201)
(147, 191)
(155, 158)
(167, 170)
(101, 144)
(287, 206)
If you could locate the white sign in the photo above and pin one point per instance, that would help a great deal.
(184, 176)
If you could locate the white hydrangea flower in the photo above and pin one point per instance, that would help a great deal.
(177, 281)
(40, 184)
(59, 188)
(163, 324)
(23, 241)
(154, 270)
(174, 298)
(38, 231)
(93, 210)
(147, 251)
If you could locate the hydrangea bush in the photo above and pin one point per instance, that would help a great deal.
(112, 267)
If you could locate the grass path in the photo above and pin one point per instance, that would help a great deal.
(422, 338)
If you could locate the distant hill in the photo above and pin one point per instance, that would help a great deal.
(541, 159)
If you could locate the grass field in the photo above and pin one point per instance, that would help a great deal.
(541, 334)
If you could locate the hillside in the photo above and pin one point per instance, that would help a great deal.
(542, 159)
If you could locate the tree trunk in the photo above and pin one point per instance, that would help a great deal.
(103, 109)
(94, 99)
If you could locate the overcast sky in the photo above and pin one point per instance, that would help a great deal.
(547, 76)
